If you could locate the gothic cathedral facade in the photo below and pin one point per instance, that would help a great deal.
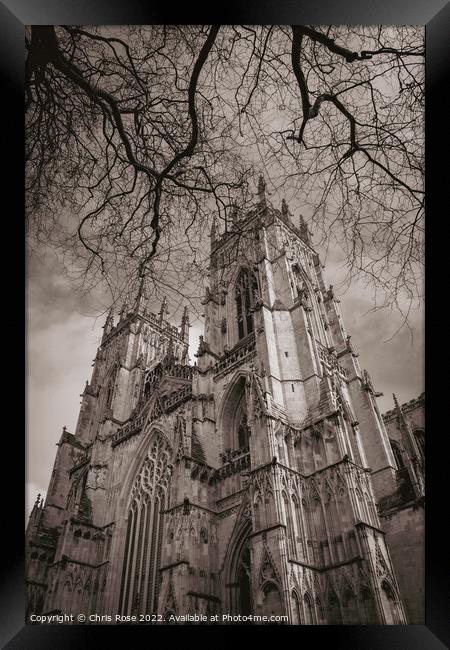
(244, 484)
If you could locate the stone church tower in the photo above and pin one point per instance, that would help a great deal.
(246, 483)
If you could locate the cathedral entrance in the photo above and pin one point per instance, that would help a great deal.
(239, 584)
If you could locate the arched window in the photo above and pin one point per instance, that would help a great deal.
(289, 526)
(309, 620)
(309, 532)
(296, 619)
(236, 431)
(397, 454)
(299, 528)
(257, 513)
(149, 496)
(320, 614)
(246, 289)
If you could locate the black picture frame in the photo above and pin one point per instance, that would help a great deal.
(14, 14)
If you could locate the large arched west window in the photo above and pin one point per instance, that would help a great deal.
(246, 290)
(149, 496)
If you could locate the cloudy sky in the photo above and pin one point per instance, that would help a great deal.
(63, 335)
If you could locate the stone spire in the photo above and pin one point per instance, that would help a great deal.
(185, 325)
(304, 230)
(37, 511)
(124, 309)
(170, 354)
(141, 298)
(404, 427)
(261, 190)
(109, 323)
(163, 311)
(396, 404)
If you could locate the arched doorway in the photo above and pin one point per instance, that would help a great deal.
(239, 572)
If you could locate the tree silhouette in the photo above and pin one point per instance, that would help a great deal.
(137, 136)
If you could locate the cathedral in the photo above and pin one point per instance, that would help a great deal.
(259, 484)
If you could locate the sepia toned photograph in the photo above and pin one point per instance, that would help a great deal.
(225, 325)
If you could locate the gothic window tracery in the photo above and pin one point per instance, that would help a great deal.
(299, 527)
(295, 609)
(320, 613)
(289, 526)
(235, 420)
(149, 496)
(245, 295)
(243, 576)
(309, 620)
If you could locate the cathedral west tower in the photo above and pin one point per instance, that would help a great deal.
(246, 483)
